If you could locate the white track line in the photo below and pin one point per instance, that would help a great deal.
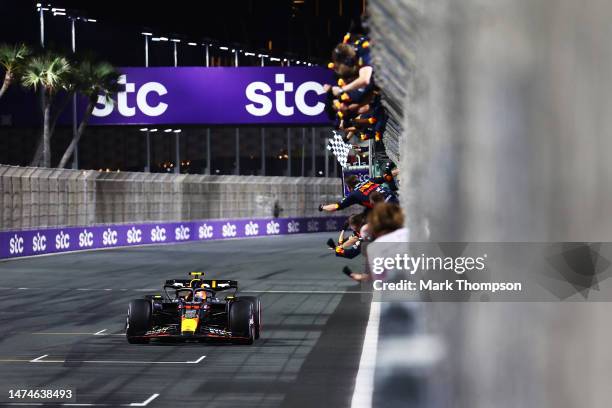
(77, 404)
(145, 402)
(364, 383)
(100, 333)
(313, 292)
(73, 334)
(42, 360)
(197, 361)
(64, 333)
(37, 359)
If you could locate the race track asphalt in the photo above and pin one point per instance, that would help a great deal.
(71, 309)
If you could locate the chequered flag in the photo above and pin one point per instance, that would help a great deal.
(339, 148)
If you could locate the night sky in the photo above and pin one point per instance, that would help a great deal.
(302, 29)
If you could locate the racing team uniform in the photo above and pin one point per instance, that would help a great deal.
(350, 252)
(361, 194)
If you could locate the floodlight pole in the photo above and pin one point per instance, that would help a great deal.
(177, 138)
(303, 152)
(146, 37)
(42, 26)
(288, 152)
(263, 139)
(314, 153)
(237, 171)
(148, 134)
(288, 148)
(326, 157)
(208, 153)
(75, 160)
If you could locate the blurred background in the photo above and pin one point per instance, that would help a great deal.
(287, 32)
(507, 121)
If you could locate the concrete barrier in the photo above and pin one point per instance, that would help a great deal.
(35, 197)
(505, 111)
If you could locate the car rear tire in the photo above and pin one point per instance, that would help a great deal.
(256, 312)
(242, 321)
(138, 321)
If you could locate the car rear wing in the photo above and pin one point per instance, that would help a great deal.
(213, 284)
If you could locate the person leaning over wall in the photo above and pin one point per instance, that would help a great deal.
(385, 224)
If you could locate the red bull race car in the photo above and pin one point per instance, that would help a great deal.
(195, 309)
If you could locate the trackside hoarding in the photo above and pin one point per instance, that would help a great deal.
(14, 244)
(217, 96)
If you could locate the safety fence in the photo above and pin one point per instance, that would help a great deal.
(20, 243)
(36, 197)
(393, 29)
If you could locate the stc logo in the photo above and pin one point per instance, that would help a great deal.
(62, 241)
(312, 226)
(331, 225)
(39, 243)
(134, 236)
(272, 228)
(86, 239)
(109, 237)
(251, 229)
(106, 106)
(293, 227)
(229, 230)
(16, 245)
(158, 234)
(262, 104)
(181, 233)
(205, 231)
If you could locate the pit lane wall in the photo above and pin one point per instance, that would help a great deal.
(20, 243)
(35, 197)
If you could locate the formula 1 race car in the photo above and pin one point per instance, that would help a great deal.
(191, 309)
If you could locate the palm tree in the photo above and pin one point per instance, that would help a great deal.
(49, 73)
(12, 58)
(92, 80)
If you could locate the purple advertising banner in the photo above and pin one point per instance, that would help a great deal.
(217, 96)
(14, 244)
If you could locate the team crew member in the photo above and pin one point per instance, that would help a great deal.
(353, 225)
(385, 223)
(350, 247)
(359, 193)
